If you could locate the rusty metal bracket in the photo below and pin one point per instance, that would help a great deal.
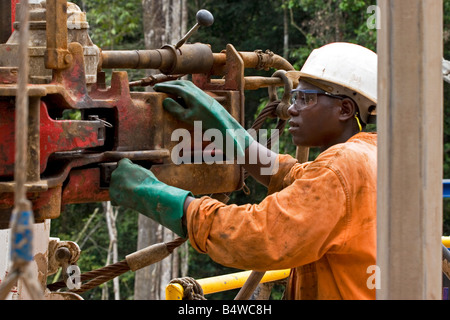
(57, 55)
(285, 103)
(60, 252)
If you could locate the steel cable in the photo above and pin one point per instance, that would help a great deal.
(107, 273)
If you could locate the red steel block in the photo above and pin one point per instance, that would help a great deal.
(55, 136)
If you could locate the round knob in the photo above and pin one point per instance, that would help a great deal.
(204, 18)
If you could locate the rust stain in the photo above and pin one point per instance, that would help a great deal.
(41, 262)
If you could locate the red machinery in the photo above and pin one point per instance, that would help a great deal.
(70, 161)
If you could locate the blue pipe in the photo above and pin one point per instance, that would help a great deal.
(446, 188)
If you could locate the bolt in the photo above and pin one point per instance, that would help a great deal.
(68, 58)
(62, 254)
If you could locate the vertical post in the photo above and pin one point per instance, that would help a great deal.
(33, 157)
(57, 56)
(410, 128)
(22, 112)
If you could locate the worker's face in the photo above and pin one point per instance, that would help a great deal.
(315, 125)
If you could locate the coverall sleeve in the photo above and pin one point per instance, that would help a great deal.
(289, 228)
(277, 180)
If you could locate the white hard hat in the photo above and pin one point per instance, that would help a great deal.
(345, 69)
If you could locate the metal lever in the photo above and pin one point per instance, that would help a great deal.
(204, 18)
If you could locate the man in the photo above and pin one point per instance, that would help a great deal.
(319, 218)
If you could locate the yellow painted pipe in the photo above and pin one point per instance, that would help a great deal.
(446, 241)
(174, 291)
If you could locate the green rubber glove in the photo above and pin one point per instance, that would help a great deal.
(202, 107)
(137, 188)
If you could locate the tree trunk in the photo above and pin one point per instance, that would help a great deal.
(285, 30)
(111, 215)
(146, 283)
(165, 22)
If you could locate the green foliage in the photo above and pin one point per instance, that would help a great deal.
(325, 21)
(248, 26)
(70, 114)
(114, 24)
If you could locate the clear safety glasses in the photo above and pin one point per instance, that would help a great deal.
(308, 98)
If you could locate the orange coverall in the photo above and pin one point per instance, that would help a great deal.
(319, 219)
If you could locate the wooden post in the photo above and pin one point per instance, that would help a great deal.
(410, 130)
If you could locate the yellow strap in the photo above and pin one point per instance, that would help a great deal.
(359, 123)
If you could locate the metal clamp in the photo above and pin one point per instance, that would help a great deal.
(282, 109)
(264, 59)
(61, 253)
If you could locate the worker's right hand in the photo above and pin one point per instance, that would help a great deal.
(199, 106)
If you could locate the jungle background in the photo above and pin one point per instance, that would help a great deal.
(290, 28)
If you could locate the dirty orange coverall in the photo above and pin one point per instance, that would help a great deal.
(319, 219)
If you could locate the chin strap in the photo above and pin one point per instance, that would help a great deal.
(359, 123)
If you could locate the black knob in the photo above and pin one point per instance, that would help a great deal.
(204, 18)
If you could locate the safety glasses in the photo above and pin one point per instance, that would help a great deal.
(308, 98)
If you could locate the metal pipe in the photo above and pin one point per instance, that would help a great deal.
(189, 59)
(253, 280)
(134, 59)
(254, 82)
(267, 60)
(252, 60)
(175, 291)
(136, 155)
